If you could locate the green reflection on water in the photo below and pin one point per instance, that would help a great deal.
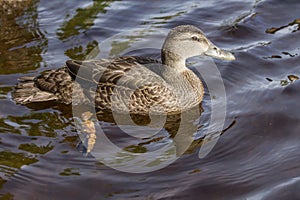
(136, 149)
(4, 91)
(2, 181)
(35, 149)
(79, 52)
(5, 127)
(33, 124)
(69, 172)
(163, 19)
(7, 196)
(83, 20)
(168, 17)
(119, 45)
(22, 43)
(15, 160)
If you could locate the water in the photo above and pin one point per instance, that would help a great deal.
(257, 157)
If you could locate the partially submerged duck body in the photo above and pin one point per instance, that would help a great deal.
(129, 84)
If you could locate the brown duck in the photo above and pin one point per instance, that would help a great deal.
(129, 84)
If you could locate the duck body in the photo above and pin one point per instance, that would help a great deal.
(128, 84)
(125, 84)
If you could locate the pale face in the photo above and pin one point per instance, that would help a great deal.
(188, 41)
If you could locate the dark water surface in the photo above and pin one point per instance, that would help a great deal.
(257, 157)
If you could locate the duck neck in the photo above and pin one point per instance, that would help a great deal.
(173, 60)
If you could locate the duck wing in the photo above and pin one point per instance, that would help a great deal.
(130, 69)
(123, 84)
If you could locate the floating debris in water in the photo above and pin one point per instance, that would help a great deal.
(272, 57)
(268, 79)
(276, 56)
(284, 82)
(293, 78)
(284, 55)
(291, 55)
(295, 22)
(271, 30)
(195, 171)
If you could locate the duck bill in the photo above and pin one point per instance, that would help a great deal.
(215, 52)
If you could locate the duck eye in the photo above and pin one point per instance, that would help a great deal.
(195, 38)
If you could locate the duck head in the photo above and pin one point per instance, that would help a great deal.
(187, 41)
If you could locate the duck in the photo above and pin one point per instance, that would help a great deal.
(129, 84)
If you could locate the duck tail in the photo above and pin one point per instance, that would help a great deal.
(26, 92)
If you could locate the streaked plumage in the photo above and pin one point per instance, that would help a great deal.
(133, 84)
